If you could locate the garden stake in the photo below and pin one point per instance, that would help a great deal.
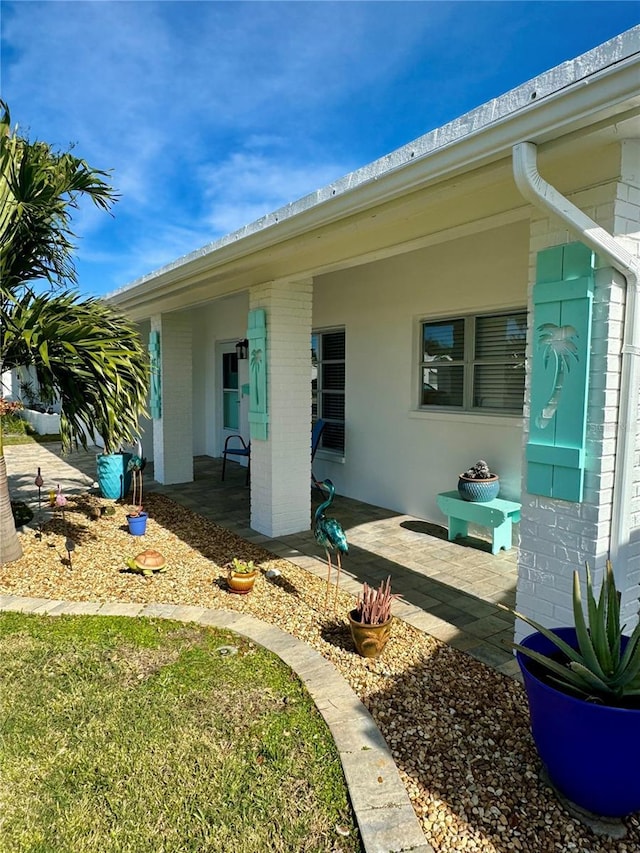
(39, 483)
(70, 546)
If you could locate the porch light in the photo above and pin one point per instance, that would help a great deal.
(242, 349)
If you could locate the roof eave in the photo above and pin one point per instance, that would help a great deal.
(474, 140)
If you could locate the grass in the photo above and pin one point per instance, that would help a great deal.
(139, 735)
(34, 438)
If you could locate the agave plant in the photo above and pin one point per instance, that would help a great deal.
(602, 668)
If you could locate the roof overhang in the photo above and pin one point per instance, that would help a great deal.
(595, 96)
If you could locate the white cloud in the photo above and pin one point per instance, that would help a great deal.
(248, 185)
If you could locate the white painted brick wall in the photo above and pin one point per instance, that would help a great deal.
(557, 537)
(173, 431)
(627, 228)
(281, 466)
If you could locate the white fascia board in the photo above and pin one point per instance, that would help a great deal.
(574, 96)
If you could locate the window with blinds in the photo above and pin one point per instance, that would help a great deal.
(327, 386)
(474, 363)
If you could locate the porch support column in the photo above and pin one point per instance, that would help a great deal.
(173, 430)
(281, 465)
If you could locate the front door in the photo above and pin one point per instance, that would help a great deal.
(233, 402)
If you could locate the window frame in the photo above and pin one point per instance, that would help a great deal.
(468, 363)
(316, 397)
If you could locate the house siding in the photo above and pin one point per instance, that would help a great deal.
(397, 455)
(557, 537)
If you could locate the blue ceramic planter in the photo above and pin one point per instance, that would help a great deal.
(113, 478)
(480, 491)
(137, 524)
(591, 751)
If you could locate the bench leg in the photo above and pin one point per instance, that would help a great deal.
(502, 536)
(457, 527)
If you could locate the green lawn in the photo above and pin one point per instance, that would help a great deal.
(30, 439)
(144, 735)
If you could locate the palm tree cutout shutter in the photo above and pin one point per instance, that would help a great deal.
(257, 336)
(155, 395)
(562, 299)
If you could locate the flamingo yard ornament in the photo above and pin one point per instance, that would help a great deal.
(60, 501)
(328, 532)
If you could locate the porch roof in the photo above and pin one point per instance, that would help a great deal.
(585, 102)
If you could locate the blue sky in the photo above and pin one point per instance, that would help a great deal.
(211, 114)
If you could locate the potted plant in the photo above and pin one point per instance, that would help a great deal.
(113, 474)
(583, 686)
(137, 517)
(478, 483)
(370, 620)
(241, 576)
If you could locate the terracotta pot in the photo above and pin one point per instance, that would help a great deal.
(241, 582)
(369, 640)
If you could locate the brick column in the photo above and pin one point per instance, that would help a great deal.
(557, 537)
(281, 465)
(173, 431)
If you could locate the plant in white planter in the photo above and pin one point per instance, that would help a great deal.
(583, 686)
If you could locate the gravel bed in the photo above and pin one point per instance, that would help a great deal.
(458, 730)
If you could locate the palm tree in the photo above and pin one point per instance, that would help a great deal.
(559, 343)
(83, 353)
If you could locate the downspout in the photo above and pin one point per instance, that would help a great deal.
(541, 194)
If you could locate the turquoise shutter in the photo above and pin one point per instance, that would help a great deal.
(155, 397)
(257, 336)
(562, 300)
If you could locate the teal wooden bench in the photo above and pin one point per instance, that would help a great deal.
(498, 515)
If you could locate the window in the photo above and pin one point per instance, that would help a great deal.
(474, 363)
(327, 385)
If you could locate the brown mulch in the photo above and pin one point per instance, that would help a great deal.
(458, 730)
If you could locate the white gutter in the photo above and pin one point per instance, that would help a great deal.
(541, 194)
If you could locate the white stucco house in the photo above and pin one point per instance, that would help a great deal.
(427, 284)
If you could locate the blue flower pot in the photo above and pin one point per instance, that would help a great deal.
(591, 751)
(113, 478)
(137, 524)
(480, 491)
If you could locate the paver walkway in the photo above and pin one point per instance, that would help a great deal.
(448, 589)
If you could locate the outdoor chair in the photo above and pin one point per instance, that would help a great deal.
(241, 449)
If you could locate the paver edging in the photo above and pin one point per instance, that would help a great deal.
(383, 810)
